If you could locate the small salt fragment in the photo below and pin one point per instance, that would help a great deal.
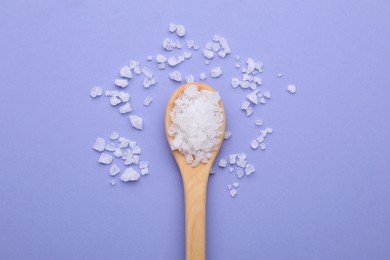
(145, 171)
(229, 187)
(114, 170)
(254, 144)
(190, 79)
(187, 55)
(224, 45)
(232, 158)
(126, 108)
(118, 152)
(149, 82)
(259, 122)
(292, 89)
(233, 193)
(260, 139)
(213, 170)
(180, 30)
(241, 156)
(114, 136)
(280, 75)
(245, 105)
(161, 66)
(149, 58)
(136, 159)
(215, 46)
(123, 143)
(110, 147)
(237, 65)
(222, 163)
(172, 61)
(114, 93)
(202, 76)
(105, 158)
(181, 58)
(99, 145)
(235, 82)
(124, 96)
(267, 94)
(258, 80)
(216, 72)
(130, 175)
(227, 135)
(176, 76)
(237, 58)
(160, 58)
(240, 173)
(137, 70)
(172, 27)
(112, 182)
(196, 47)
(147, 72)
(253, 97)
(231, 169)
(262, 100)
(263, 133)
(269, 130)
(244, 84)
(216, 38)
(132, 144)
(222, 54)
(262, 146)
(249, 111)
(147, 101)
(243, 70)
(143, 164)
(249, 169)
(125, 72)
(208, 54)
(136, 122)
(207, 62)
(107, 93)
(168, 44)
(96, 92)
(121, 83)
(241, 163)
(190, 44)
(136, 150)
(236, 184)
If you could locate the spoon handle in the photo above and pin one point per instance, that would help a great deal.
(195, 207)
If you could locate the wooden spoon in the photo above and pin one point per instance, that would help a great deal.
(195, 185)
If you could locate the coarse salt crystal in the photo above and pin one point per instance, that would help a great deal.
(124, 96)
(208, 54)
(249, 169)
(176, 76)
(262, 146)
(241, 163)
(160, 58)
(121, 83)
(249, 111)
(267, 94)
(269, 130)
(125, 72)
(96, 92)
(233, 193)
(227, 135)
(216, 72)
(145, 171)
(254, 144)
(202, 76)
(118, 152)
(222, 163)
(114, 170)
(231, 169)
(259, 122)
(147, 101)
(105, 158)
(149, 58)
(232, 158)
(245, 105)
(99, 145)
(114, 136)
(126, 108)
(172, 27)
(292, 89)
(190, 78)
(110, 147)
(147, 72)
(130, 175)
(115, 101)
(136, 122)
(180, 30)
(236, 184)
(240, 173)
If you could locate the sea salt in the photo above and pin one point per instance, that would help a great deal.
(125, 72)
(190, 78)
(216, 72)
(222, 163)
(262, 146)
(232, 158)
(114, 136)
(292, 89)
(249, 169)
(227, 135)
(176, 76)
(114, 170)
(269, 130)
(254, 144)
(160, 58)
(130, 175)
(259, 122)
(231, 169)
(110, 147)
(124, 96)
(99, 145)
(147, 101)
(96, 92)
(136, 122)
(126, 108)
(208, 54)
(118, 152)
(147, 72)
(121, 83)
(105, 158)
(149, 58)
(267, 94)
(202, 76)
(145, 171)
(115, 101)
(180, 30)
(194, 113)
(233, 193)
(236, 184)
(240, 173)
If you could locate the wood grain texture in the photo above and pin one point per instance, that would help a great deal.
(195, 186)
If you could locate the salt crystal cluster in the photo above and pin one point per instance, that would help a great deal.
(197, 121)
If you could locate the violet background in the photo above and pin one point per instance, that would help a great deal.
(321, 189)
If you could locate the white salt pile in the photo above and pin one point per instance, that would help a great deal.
(196, 125)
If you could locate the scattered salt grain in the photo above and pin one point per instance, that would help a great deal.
(161, 66)
(160, 58)
(249, 111)
(202, 76)
(190, 79)
(110, 147)
(147, 101)
(99, 145)
(207, 62)
(124, 96)
(267, 94)
(136, 122)
(121, 83)
(222, 163)
(172, 61)
(118, 152)
(114, 136)
(262, 146)
(237, 58)
(229, 187)
(215, 46)
(240, 173)
(208, 54)
(143, 164)
(231, 169)
(172, 27)
(168, 44)
(96, 92)
(180, 30)
(280, 75)
(241, 156)
(147, 72)
(235, 82)
(145, 171)
(113, 182)
(262, 100)
(114, 170)
(149, 82)
(130, 175)
(190, 44)
(260, 139)
(149, 58)
(237, 65)
(259, 122)
(253, 97)
(216, 72)
(241, 163)
(232, 158)
(176, 76)
(105, 158)
(233, 193)
(249, 169)
(213, 170)
(245, 105)
(227, 135)
(187, 55)
(126, 108)
(115, 101)
(292, 89)
(125, 72)
(236, 184)
(254, 144)
(269, 130)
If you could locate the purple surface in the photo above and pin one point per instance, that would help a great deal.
(321, 189)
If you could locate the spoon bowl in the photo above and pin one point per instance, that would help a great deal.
(195, 181)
